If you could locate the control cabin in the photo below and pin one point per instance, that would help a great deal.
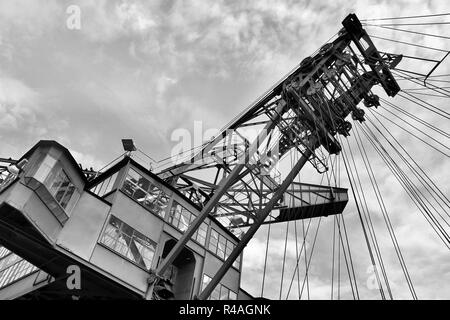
(109, 231)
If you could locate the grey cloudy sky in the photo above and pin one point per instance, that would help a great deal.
(142, 69)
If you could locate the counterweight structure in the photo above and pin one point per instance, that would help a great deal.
(230, 187)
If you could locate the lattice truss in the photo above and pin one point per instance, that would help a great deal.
(312, 101)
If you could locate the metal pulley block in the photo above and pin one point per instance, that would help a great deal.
(329, 74)
(358, 114)
(325, 49)
(343, 59)
(314, 87)
(344, 128)
(307, 64)
(372, 101)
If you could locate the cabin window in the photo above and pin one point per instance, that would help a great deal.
(220, 292)
(222, 247)
(60, 187)
(213, 240)
(129, 243)
(215, 294)
(13, 267)
(181, 218)
(206, 281)
(146, 193)
(224, 293)
(50, 181)
(200, 235)
(4, 252)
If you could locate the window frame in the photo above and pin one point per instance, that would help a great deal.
(50, 180)
(228, 244)
(135, 237)
(218, 289)
(214, 248)
(135, 186)
(177, 215)
(15, 269)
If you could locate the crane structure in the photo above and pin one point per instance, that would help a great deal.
(143, 233)
(236, 180)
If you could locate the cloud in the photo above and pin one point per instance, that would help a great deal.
(17, 103)
(107, 21)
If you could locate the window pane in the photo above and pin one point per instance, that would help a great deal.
(150, 202)
(55, 183)
(128, 187)
(67, 196)
(175, 215)
(144, 192)
(224, 291)
(153, 192)
(237, 262)
(184, 220)
(15, 271)
(111, 232)
(205, 281)
(143, 183)
(221, 247)
(233, 295)
(145, 247)
(139, 195)
(115, 222)
(133, 176)
(129, 243)
(181, 218)
(46, 171)
(135, 252)
(213, 239)
(201, 233)
(4, 252)
(131, 181)
(8, 261)
(162, 203)
(215, 295)
(147, 253)
(229, 249)
(122, 245)
(108, 241)
(61, 188)
(126, 229)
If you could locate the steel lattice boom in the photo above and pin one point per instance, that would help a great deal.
(305, 111)
(313, 101)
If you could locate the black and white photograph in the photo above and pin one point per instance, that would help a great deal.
(234, 156)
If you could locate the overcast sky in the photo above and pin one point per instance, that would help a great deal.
(141, 69)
